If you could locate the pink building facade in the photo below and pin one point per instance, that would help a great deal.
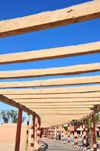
(8, 132)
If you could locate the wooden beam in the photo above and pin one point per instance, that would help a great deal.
(17, 105)
(55, 96)
(52, 82)
(59, 100)
(63, 107)
(53, 53)
(51, 19)
(63, 114)
(63, 111)
(61, 104)
(76, 69)
(64, 90)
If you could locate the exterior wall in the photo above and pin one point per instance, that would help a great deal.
(8, 132)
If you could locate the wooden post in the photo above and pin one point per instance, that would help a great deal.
(62, 132)
(75, 135)
(93, 133)
(32, 134)
(46, 132)
(39, 130)
(27, 133)
(57, 133)
(84, 134)
(53, 132)
(18, 132)
(38, 133)
(68, 133)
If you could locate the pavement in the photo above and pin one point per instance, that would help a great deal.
(51, 145)
(79, 142)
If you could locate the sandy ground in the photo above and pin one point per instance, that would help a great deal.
(9, 146)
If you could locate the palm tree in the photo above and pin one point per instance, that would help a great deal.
(11, 116)
(5, 116)
(89, 129)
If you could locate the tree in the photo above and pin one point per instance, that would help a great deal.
(11, 116)
(89, 129)
(5, 116)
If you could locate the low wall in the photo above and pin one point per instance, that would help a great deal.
(8, 132)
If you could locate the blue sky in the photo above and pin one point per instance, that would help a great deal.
(79, 33)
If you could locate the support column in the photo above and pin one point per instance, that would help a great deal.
(38, 133)
(50, 133)
(68, 133)
(53, 132)
(32, 134)
(62, 132)
(18, 132)
(46, 132)
(75, 135)
(57, 133)
(84, 134)
(93, 133)
(27, 133)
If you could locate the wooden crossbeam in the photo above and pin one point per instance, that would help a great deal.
(55, 96)
(64, 90)
(53, 53)
(52, 82)
(45, 20)
(61, 116)
(64, 112)
(58, 107)
(61, 104)
(17, 105)
(76, 69)
(60, 100)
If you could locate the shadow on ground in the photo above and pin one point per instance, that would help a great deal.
(44, 146)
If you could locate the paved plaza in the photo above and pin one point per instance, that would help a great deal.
(51, 145)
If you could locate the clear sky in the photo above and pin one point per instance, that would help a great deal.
(79, 33)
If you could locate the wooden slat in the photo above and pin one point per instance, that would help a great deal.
(55, 96)
(62, 107)
(64, 112)
(52, 82)
(45, 20)
(65, 90)
(76, 69)
(61, 104)
(53, 53)
(64, 100)
(17, 105)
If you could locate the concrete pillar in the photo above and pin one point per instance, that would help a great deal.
(38, 133)
(57, 133)
(68, 133)
(53, 132)
(75, 135)
(27, 133)
(18, 132)
(62, 133)
(84, 134)
(50, 133)
(32, 134)
(93, 133)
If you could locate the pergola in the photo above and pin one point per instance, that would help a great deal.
(52, 106)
